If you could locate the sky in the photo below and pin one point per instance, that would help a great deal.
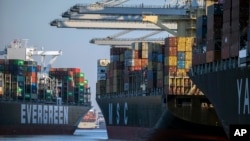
(30, 19)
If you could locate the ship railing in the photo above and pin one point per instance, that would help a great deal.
(215, 66)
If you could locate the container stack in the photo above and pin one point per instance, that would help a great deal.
(18, 79)
(71, 84)
(115, 71)
(136, 61)
(214, 26)
(102, 65)
(178, 60)
(199, 57)
(226, 30)
(155, 66)
(235, 27)
(31, 79)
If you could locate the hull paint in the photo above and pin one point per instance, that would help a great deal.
(39, 119)
(148, 118)
(228, 91)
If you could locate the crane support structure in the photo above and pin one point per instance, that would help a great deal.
(95, 24)
(125, 10)
(122, 42)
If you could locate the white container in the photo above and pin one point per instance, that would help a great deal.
(103, 62)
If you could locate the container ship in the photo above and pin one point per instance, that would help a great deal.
(144, 93)
(221, 61)
(89, 121)
(39, 100)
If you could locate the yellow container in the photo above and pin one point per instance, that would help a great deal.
(171, 61)
(188, 64)
(181, 47)
(181, 72)
(144, 54)
(189, 40)
(181, 40)
(144, 46)
(189, 47)
(188, 56)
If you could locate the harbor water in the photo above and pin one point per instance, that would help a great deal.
(79, 135)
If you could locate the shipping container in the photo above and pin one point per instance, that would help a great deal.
(215, 9)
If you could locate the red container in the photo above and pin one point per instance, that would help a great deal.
(235, 37)
(226, 28)
(171, 41)
(210, 44)
(144, 62)
(170, 51)
(225, 54)
(170, 70)
(203, 58)
(213, 56)
(234, 49)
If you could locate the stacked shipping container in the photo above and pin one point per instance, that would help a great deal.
(178, 60)
(235, 26)
(101, 75)
(214, 26)
(19, 80)
(72, 85)
(151, 65)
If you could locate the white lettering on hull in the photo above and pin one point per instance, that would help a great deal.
(44, 114)
(243, 96)
(117, 116)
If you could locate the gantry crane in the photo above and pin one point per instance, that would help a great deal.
(178, 18)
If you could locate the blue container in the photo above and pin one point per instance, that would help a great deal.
(180, 64)
(31, 69)
(160, 58)
(33, 86)
(150, 75)
(181, 56)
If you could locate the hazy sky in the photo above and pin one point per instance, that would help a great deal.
(29, 19)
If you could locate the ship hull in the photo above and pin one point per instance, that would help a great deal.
(39, 119)
(228, 91)
(148, 118)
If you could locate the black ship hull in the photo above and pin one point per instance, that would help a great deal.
(147, 118)
(20, 118)
(228, 91)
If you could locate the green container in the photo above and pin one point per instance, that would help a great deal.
(70, 93)
(80, 74)
(85, 81)
(80, 84)
(68, 78)
(27, 96)
(48, 91)
(18, 62)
